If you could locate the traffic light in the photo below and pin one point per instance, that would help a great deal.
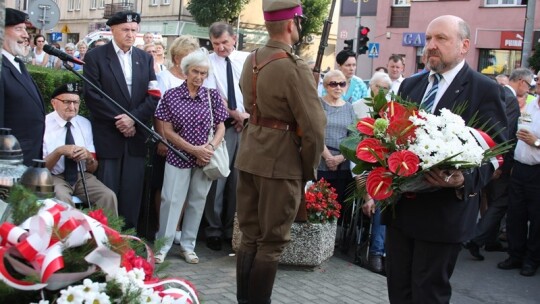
(348, 45)
(241, 41)
(363, 39)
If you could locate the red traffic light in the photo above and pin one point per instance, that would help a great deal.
(364, 30)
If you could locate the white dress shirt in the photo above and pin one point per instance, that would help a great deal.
(125, 62)
(218, 78)
(55, 136)
(444, 83)
(396, 84)
(524, 153)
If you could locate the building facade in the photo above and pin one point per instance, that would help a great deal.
(497, 28)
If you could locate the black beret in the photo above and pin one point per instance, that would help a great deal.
(14, 17)
(68, 88)
(124, 17)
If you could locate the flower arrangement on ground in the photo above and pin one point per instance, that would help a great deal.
(54, 253)
(321, 202)
(399, 142)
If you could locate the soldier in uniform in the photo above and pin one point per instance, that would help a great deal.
(274, 161)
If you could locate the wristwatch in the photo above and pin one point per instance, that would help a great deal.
(537, 143)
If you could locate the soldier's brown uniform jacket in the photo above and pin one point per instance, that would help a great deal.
(285, 91)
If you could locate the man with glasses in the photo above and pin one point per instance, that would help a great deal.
(273, 161)
(68, 147)
(21, 104)
(523, 215)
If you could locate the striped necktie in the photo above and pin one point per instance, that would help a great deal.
(429, 99)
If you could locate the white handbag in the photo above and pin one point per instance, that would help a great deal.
(218, 166)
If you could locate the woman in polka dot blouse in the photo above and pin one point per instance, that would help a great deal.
(185, 111)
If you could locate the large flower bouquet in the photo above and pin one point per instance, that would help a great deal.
(53, 253)
(398, 143)
(321, 202)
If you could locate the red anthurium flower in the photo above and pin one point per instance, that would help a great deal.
(401, 129)
(403, 163)
(378, 183)
(365, 126)
(366, 149)
(393, 111)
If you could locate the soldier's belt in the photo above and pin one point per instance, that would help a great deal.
(273, 124)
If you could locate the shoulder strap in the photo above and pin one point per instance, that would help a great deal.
(256, 69)
(211, 131)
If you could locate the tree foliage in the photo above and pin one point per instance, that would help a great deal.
(316, 12)
(206, 12)
(534, 60)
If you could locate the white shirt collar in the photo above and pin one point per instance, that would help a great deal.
(449, 75)
(118, 49)
(511, 89)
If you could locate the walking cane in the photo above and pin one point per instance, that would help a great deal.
(83, 179)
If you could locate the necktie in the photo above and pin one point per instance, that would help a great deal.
(231, 98)
(430, 97)
(70, 166)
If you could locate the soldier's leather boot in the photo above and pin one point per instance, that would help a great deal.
(244, 260)
(261, 281)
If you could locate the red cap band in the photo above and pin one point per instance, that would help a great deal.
(284, 14)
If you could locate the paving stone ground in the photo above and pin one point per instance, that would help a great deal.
(338, 280)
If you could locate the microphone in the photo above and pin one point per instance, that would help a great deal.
(51, 50)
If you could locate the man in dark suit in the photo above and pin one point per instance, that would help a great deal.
(123, 72)
(21, 105)
(425, 231)
(497, 190)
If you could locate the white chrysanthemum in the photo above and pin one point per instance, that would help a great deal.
(42, 302)
(150, 296)
(167, 300)
(71, 295)
(136, 275)
(91, 287)
(99, 298)
(444, 136)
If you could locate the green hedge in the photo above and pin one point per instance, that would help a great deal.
(48, 80)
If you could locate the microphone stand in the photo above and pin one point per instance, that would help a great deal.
(155, 136)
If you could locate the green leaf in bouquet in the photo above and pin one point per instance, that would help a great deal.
(362, 167)
(24, 204)
(348, 146)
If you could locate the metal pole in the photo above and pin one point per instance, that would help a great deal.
(528, 34)
(358, 11)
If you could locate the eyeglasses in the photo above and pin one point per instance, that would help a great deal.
(528, 83)
(334, 84)
(40, 41)
(67, 102)
(151, 52)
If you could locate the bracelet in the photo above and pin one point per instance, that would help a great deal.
(211, 145)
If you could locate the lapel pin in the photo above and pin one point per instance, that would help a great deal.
(136, 62)
(457, 91)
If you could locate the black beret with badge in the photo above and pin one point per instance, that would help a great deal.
(14, 17)
(124, 17)
(68, 88)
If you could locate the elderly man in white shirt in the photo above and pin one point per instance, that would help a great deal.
(227, 65)
(68, 146)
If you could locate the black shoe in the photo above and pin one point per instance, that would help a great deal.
(528, 270)
(497, 246)
(375, 263)
(213, 242)
(510, 263)
(474, 250)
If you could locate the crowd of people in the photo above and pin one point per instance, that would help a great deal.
(277, 139)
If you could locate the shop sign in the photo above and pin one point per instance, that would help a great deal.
(413, 39)
(511, 40)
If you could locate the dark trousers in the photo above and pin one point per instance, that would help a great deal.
(418, 271)
(523, 217)
(488, 227)
(124, 176)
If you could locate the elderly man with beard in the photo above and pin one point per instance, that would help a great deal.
(21, 105)
(424, 231)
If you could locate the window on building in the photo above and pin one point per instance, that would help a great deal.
(165, 2)
(401, 3)
(154, 2)
(101, 3)
(71, 5)
(495, 62)
(77, 5)
(505, 2)
(400, 16)
(93, 4)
